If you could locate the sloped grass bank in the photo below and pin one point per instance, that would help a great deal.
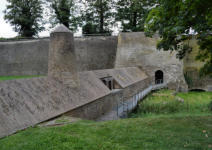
(161, 133)
(167, 102)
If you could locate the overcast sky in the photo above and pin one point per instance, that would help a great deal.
(5, 28)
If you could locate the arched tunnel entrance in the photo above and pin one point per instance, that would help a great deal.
(158, 77)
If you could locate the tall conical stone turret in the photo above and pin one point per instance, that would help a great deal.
(62, 59)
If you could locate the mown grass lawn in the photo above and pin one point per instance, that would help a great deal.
(161, 133)
(178, 130)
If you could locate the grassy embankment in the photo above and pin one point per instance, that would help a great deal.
(169, 124)
(167, 102)
(4, 78)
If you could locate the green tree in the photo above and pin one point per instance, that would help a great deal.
(90, 27)
(65, 12)
(133, 13)
(25, 16)
(179, 21)
(98, 16)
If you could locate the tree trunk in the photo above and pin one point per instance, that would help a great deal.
(101, 18)
(134, 19)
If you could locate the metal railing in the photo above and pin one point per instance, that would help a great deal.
(127, 104)
(159, 81)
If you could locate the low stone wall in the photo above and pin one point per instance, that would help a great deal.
(135, 88)
(108, 103)
(30, 57)
(97, 108)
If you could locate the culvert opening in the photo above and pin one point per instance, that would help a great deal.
(197, 90)
(111, 83)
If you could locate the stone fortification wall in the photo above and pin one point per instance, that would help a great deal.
(95, 53)
(27, 102)
(134, 49)
(30, 57)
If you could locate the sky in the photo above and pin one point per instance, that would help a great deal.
(5, 28)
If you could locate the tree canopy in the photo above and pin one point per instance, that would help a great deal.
(179, 21)
(133, 13)
(25, 16)
(98, 16)
(65, 12)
